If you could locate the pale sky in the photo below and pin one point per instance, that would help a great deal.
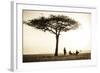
(38, 42)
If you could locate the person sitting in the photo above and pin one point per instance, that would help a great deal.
(77, 52)
(70, 53)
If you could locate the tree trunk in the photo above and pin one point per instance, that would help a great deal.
(57, 42)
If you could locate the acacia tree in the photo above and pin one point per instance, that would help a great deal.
(54, 24)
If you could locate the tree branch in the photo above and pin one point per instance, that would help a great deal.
(51, 31)
(59, 31)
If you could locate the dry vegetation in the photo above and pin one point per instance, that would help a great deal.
(51, 57)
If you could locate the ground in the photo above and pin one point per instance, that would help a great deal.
(51, 57)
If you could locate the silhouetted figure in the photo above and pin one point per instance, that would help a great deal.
(64, 51)
(77, 52)
(70, 53)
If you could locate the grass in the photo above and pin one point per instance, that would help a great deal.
(51, 57)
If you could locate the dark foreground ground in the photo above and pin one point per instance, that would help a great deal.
(50, 57)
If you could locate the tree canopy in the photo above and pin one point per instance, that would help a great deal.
(54, 24)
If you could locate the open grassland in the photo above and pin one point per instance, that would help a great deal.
(51, 57)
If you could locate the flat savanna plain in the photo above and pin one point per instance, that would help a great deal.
(51, 57)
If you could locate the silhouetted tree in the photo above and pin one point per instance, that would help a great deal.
(54, 24)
